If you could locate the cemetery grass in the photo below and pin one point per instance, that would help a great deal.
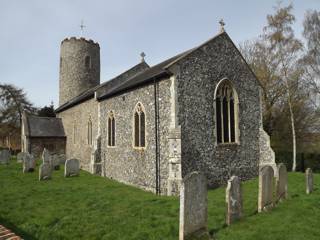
(92, 207)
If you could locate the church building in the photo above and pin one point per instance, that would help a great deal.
(152, 125)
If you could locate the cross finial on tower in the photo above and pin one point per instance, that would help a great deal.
(82, 26)
(222, 24)
(142, 56)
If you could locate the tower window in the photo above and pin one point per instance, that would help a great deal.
(87, 62)
(226, 113)
(89, 134)
(74, 132)
(139, 131)
(111, 130)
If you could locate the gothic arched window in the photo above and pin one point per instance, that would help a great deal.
(89, 134)
(87, 62)
(226, 113)
(111, 130)
(139, 128)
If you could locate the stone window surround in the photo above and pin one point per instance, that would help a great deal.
(236, 114)
(74, 132)
(89, 133)
(133, 127)
(111, 114)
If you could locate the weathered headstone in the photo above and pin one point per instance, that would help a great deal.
(281, 182)
(265, 201)
(233, 200)
(193, 207)
(55, 161)
(46, 157)
(20, 156)
(45, 171)
(309, 181)
(72, 167)
(5, 156)
(29, 163)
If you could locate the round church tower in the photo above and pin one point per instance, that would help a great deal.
(79, 67)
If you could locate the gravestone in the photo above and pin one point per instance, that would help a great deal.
(20, 156)
(281, 182)
(29, 163)
(5, 156)
(45, 171)
(309, 181)
(55, 161)
(72, 167)
(265, 201)
(193, 207)
(233, 200)
(46, 157)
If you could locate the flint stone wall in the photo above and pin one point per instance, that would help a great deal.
(53, 144)
(77, 145)
(198, 75)
(125, 163)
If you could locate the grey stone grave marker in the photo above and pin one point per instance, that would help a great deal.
(72, 167)
(281, 182)
(309, 181)
(193, 207)
(233, 200)
(265, 201)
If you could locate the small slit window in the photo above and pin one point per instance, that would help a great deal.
(74, 133)
(226, 113)
(89, 134)
(87, 62)
(139, 126)
(111, 130)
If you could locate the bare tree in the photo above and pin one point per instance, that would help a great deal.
(13, 102)
(311, 60)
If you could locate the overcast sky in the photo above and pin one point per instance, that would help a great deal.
(31, 32)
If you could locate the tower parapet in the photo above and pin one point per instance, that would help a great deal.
(79, 67)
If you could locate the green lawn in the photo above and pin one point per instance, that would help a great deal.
(92, 207)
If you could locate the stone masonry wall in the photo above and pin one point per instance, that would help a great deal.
(123, 162)
(198, 75)
(77, 144)
(53, 144)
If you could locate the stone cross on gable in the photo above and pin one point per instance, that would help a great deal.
(222, 24)
(82, 26)
(142, 56)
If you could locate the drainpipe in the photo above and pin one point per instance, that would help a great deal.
(156, 121)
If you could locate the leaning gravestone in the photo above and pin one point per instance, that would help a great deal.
(233, 200)
(46, 157)
(265, 201)
(309, 181)
(5, 156)
(72, 167)
(29, 163)
(45, 171)
(20, 156)
(281, 182)
(193, 207)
